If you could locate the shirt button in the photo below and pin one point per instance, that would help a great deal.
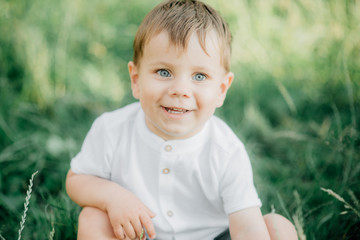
(165, 171)
(168, 148)
(170, 213)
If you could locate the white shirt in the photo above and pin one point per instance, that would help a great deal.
(192, 185)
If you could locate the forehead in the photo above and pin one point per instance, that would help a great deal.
(160, 42)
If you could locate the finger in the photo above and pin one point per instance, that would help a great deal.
(127, 238)
(143, 235)
(119, 232)
(129, 230)
(148, 225)
(137, 227)
(150, 213)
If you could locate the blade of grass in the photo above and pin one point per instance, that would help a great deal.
(341, 199)
(26, 204)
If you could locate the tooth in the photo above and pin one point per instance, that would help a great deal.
(176, 110)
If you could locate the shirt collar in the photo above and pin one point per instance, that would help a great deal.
(180, 146)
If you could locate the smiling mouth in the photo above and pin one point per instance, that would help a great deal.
(174, 110)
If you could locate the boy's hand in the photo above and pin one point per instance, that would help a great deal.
(128, 216)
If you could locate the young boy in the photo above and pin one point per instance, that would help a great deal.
(166, 167)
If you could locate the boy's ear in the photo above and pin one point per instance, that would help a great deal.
(224, 86)
(134, 77)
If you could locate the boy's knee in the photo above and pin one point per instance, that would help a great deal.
(91, 217)
(280, 227)
(89, 214)
(94, 224)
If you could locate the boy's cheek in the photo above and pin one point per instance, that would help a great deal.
(221, 96)
(220, 101)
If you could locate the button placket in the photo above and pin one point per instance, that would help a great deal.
(168, 148)
(166, 184)
(170, 213)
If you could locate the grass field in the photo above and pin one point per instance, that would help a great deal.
(295, 103)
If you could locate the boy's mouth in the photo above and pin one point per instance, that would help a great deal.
(174, 110)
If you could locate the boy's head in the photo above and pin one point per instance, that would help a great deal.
(180, 71)
(180, 19)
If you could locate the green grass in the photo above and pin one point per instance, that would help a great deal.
(295, 104)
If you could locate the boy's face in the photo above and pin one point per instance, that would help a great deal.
(179, 89)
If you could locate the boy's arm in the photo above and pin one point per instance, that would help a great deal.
(248, 224)
(126, 212)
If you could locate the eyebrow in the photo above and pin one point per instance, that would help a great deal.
(161, 63)
(196, 68)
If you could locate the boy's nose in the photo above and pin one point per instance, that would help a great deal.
(180, 88)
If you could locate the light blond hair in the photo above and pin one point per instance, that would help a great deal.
(180, 19)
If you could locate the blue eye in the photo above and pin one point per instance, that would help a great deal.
(199, 77)
(163, 73)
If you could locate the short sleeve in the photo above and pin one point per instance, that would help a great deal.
(95, 153)
(236, 185)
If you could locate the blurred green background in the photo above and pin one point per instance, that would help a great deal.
(294, 103)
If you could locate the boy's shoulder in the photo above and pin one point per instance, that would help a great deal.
(120, 116)
(222, 135)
